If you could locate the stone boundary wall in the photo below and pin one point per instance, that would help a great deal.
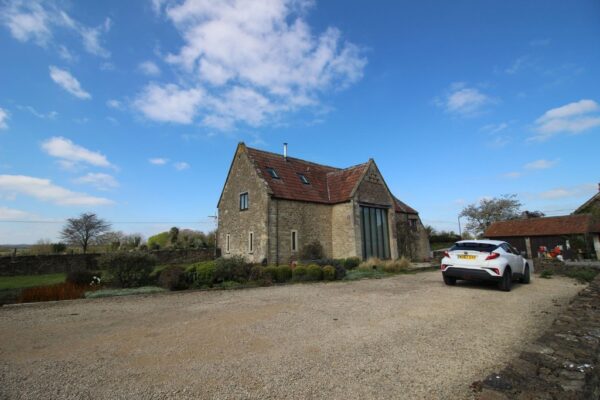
(59, 263)
(564, 363)
(560, 267)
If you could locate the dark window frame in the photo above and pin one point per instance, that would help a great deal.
(273, 173)
(244, 201)
(303, 179)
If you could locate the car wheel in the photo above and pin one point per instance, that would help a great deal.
(450, 281)
(526, 275)
(506, 282)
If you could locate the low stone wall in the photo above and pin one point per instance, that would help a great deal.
(562, 364)
(58, 263)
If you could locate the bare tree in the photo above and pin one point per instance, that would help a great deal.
(481, 215)
(84, 230)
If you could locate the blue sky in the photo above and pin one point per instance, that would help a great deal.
(133, 109)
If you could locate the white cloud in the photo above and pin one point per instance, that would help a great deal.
(569, 118)
(45, 190)
(495, 128)
(33, 111)
(158, 161)
(66, 54)
(463, 100)
(68, 82)
(518, 65)
(541, 164)
(180, 166)
(71, 154)
(35, 20)
(116, 104)
(513, 175)
(169, 103)
(11, 214)
(98, 180)
(149, 68)
(3, 118)
(236, 53)
(583, 190)
(27, 21)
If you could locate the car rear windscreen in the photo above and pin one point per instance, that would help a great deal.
(474, 246)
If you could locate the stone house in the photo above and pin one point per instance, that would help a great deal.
(272, 205)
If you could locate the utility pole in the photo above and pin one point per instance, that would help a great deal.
(459, 230)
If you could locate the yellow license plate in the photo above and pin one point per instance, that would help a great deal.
(466, 257)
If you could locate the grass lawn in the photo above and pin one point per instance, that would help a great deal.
(24, 281)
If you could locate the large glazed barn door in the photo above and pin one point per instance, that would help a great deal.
(375, 238)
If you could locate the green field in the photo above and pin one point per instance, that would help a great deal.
(25, 281)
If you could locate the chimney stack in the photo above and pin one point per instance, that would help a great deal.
(285, 151)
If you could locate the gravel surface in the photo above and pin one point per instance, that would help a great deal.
(406, 337)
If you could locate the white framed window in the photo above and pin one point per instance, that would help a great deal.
(294, 241)
(227, 243)
(250, 242)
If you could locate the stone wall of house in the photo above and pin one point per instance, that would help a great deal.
(237, 223)
(413, 242)
(64, 263)
(372, 190)
(423, 251)
(564, 363)
(312, 222)
(343, 235)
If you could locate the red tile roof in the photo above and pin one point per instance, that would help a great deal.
(546, 226)
(402, 207)
(328, 185)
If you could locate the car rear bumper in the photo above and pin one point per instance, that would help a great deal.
(470, 274)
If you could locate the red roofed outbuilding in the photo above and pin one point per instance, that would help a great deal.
(577, 234)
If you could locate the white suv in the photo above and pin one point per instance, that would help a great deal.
(490, 260)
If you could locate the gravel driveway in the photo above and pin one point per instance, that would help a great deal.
(405, 337)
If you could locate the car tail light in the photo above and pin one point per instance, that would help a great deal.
(492, 256)
(446, 254)
(443, 267)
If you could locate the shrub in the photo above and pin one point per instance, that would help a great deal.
(270, 273)
(351, 262)
(329, 273)
(81, 277)
(153, 277)
(299, 273)
(173, 278)
(546, 274)
(128, 269)
(232, 269)
(229, 285)
(396, 266)
(257, 273)
(283, 273)
(59, 291)
(583, 275)
(203, 274)
(371, 263)
(312, 251)
(340, 272)
(314, 272)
